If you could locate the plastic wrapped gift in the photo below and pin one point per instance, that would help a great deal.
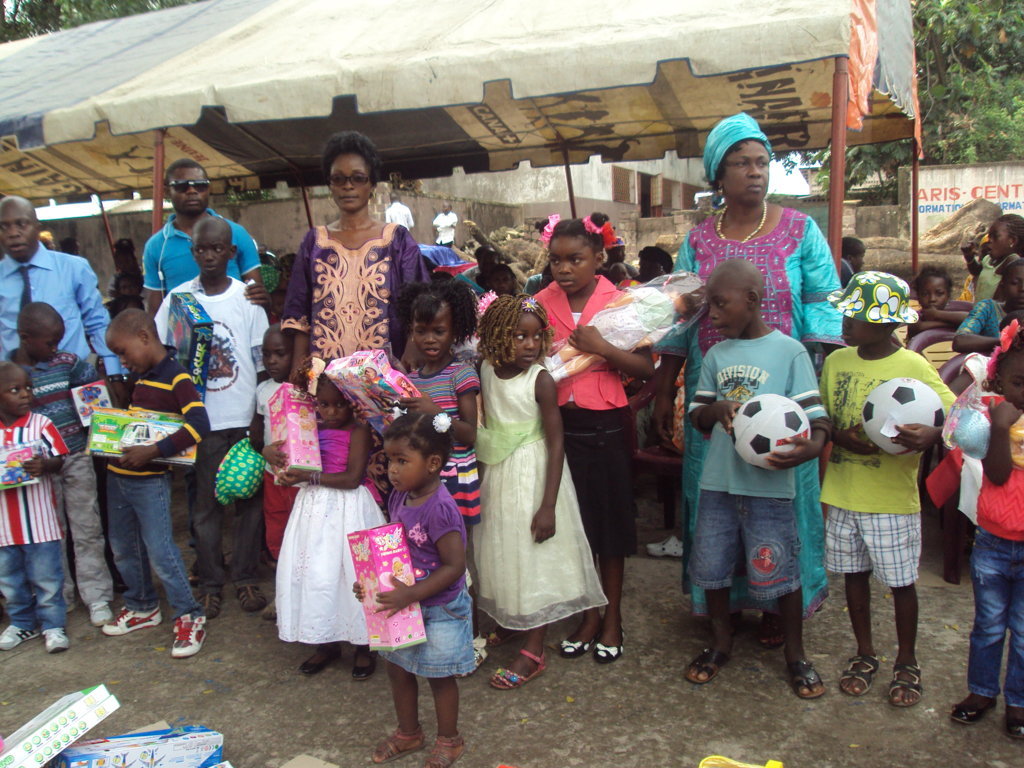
(292, 415)
(638, 318)
(372, 386)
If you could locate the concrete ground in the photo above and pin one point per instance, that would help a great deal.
(636, 712)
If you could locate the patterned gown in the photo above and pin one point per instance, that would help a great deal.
(799, 274)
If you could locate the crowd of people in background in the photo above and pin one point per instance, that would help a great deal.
(516, 492)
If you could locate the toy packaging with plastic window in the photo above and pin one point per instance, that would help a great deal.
(381, 556)
(372, 386)
(292, 415)
(112, 430)
(191, 333)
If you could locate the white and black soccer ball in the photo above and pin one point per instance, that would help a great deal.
(762, 422)
(896, 402)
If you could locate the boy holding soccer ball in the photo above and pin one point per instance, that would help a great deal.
(874, 512)
(741, 502)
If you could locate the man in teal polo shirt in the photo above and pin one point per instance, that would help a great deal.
(167, 260)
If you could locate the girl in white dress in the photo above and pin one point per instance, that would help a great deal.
(535, 565)
(315, 603)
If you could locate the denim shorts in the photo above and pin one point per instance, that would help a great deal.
(758, 533)
(449, 647)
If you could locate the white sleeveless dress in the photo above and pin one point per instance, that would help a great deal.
(523, 584)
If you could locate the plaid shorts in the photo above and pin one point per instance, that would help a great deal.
(887, 544)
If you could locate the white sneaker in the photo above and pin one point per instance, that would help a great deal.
(100, 614)
(56, 640)
(670, 547)
(189, 634)
(12, 637)
(129, 621)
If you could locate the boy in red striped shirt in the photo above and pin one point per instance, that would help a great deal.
(31, 575)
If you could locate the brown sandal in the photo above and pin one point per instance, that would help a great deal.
(397, 745)
(445, 752)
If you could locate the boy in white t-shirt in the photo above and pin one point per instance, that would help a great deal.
(236, 366)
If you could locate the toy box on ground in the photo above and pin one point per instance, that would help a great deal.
(112, 430)
(189, 746)
(381, 555)
(371, 385)
(292, 415)
(88, 397)
(190, 332)
(12, 463)
(67, 720)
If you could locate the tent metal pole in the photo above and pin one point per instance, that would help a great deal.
(106, 224)
(305, 203)
(915, 185)
(568, 181)
(837, 174)
(158, 179)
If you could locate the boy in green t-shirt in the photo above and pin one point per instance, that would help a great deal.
(874, 511)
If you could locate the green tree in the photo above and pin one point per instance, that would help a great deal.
(971, 92)
(27, 18)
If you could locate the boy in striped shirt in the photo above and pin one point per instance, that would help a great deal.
(139, 490)
(31, 575)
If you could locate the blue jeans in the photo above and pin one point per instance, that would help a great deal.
(32, 580)
(757, 534)
(997, 573)
(139, 509)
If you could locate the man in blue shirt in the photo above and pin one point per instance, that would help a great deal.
(167, 259)
(32, 272)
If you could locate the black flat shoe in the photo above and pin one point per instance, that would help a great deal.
(364, 671)
(573, 649)
(965, 715)
(316, 663)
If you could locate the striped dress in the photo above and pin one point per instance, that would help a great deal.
(28, 514)
(460, 474)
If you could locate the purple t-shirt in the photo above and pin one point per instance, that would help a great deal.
(424, 525)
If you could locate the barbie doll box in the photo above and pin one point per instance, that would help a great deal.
(381, 556)
(292, 415)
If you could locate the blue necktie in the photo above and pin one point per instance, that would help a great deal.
(26, 288)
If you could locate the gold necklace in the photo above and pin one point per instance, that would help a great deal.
(760, 224)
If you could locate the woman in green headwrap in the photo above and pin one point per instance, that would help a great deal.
(799, 271)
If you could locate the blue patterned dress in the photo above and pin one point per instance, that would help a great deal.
(799, 274)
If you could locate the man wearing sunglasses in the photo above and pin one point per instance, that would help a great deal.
(167, 259)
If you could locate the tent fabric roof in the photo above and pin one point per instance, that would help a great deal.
(252, 88)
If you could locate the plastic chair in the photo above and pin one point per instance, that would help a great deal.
(664, 464)
(935, 344)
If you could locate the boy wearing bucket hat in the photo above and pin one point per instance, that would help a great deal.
(873, 515)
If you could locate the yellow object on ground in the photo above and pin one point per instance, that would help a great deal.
(717, 761)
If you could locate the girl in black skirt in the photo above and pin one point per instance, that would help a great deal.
(594, 414)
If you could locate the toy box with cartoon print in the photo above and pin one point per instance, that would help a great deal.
(12, 463)
(112, 430)
(190, 332)
(88, 398)
(381, 555)
(292, 415)
(189, 746)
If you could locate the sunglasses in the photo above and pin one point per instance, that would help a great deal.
(356, 180)
(180, 185)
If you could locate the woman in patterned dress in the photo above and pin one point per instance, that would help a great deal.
(799, 271)
(346, 276)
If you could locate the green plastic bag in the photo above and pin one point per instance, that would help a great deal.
(240, 474)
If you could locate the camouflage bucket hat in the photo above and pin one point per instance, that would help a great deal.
(875, 297)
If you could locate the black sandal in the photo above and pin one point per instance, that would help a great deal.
(865, 676)
(804, 679)
(709, 662)
(913, 684)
